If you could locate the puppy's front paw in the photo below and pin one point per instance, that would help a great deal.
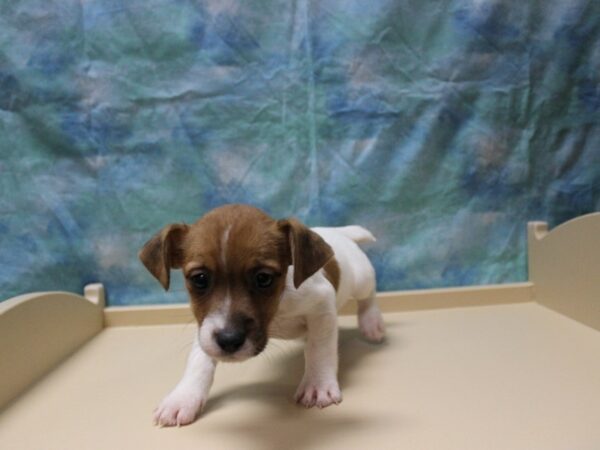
(370, 323)
(318, 393)
(180, 407)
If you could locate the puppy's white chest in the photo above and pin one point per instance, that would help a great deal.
(316, 295)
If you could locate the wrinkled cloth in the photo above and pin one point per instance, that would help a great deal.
(441, 126)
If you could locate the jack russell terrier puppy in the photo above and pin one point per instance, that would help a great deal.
(250, 278)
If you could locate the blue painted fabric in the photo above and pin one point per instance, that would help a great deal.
(442, 126)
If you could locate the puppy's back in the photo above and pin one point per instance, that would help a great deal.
(357, 280)
(356, 233)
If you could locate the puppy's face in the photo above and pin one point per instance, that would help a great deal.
(235, 261)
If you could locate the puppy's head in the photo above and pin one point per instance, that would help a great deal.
(235, 260)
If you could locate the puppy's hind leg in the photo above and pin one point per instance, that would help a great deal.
(370, 321)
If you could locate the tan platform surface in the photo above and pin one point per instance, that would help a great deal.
(495, 377)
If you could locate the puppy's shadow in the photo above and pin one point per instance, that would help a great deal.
(277, 393)
(288, 368)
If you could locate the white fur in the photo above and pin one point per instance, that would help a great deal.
(358, 234)
(310, 310)
(185, 402)
(313, 308)
(224, 240)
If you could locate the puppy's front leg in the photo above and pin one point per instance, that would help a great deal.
(185, 402)
(319, 386)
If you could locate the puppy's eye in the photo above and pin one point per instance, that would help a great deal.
(263, 280)
(200, 280)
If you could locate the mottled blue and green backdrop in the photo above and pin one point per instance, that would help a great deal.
(443, 126)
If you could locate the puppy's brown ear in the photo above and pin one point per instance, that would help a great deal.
(308, 251)
(164, 252)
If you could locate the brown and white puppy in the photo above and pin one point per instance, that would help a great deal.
(250, 278)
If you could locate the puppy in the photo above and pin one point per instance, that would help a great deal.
(250, 278)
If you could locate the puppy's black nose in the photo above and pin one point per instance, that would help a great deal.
(230, 340)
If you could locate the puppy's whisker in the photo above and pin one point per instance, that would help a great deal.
(273, 351)
(186, 347)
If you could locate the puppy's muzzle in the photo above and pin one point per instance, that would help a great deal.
(230, 340)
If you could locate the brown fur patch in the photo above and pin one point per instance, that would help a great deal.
(163, 252)
(232, 245)
(252, 243)
(308, 250)
(332, 272)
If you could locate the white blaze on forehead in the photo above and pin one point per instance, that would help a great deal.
(224, 239)
(226, 306)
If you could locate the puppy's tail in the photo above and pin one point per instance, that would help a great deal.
(358, 234)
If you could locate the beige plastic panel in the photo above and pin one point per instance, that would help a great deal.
(564, 266)
(507, 377)
(39, 330)
(416, 300)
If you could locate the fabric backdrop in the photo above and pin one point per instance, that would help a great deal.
(442, 126)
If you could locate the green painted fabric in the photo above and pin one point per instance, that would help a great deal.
(443, 127)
